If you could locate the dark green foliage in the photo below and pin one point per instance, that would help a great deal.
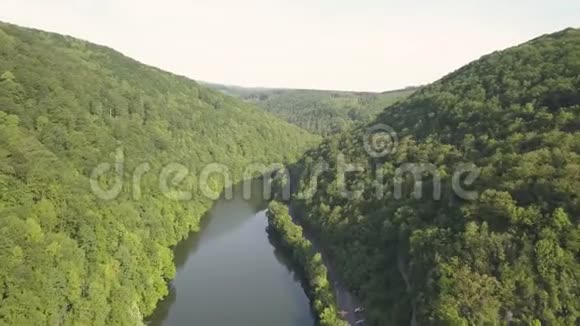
(320, 112)
(511, 254)
(323, 301)
(66, 257)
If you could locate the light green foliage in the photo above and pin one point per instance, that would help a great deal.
(323, 301)
(318, 111)
(511, 254)
(67, 257)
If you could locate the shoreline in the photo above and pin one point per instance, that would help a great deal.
(345, 300)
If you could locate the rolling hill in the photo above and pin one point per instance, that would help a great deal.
(321, 112)
(464, 201)
(69, 110)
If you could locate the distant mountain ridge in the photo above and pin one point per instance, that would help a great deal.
(323, 112)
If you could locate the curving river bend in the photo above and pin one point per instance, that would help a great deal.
(230, 274)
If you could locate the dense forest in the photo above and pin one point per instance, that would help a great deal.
(318, 111)
(69, 257)
(305, 255)
(460, 207)
(505, 250)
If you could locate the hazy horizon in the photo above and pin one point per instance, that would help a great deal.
(370, 46)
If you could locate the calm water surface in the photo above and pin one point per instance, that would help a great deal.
(231, 275)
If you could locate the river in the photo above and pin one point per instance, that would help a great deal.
(230, 273)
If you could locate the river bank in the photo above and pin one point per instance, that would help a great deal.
(348, 303)
(229, 273)
(303, 243)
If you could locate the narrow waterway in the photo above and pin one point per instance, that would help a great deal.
(230, 274)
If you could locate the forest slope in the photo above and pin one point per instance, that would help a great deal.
(504, 245)
(68, 256)
(319, 111)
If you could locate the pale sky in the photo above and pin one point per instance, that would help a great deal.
(366, 45)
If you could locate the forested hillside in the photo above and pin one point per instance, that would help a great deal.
(508, 254)
(69, 257)
(318, 111)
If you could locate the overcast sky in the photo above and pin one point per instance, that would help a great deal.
(371, 45)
